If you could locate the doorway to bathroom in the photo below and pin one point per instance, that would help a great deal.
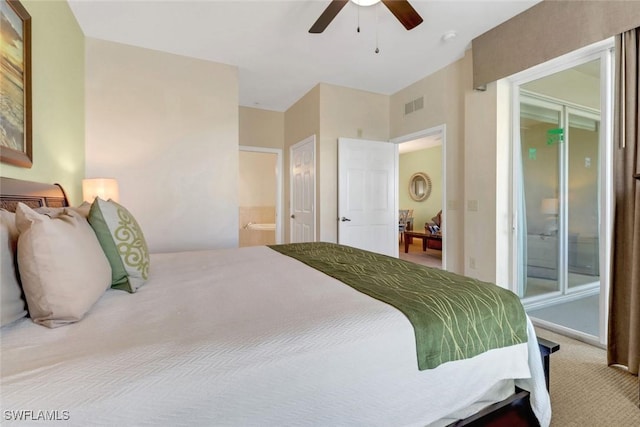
(260, 196)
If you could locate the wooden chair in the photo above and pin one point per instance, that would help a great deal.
(405, 221)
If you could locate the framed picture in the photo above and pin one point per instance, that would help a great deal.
(15, 84)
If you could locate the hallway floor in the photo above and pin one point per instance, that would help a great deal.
(430, 258)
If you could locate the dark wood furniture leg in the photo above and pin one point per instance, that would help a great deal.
(546, 349)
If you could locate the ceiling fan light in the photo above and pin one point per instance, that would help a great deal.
(365, 2)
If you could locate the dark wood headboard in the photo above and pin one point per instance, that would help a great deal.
(33, 194)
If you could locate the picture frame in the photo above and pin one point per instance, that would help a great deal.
(15, 85)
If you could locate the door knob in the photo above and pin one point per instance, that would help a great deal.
(343, 219)
(293, 216)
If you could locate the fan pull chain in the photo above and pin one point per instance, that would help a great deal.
(358, 19)
(377, 26)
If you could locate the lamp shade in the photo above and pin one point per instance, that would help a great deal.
(549, 206)
(105, 188)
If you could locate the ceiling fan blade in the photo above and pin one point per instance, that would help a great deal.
(327, 16)
(405, 13)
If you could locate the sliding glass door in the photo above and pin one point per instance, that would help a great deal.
(540, 122)
(561, 188)
(583, 201)
(560, 192)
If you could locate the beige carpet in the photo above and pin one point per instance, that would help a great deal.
(430, 257)
(585, 391)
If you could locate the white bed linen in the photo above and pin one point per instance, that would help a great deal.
(241, 338)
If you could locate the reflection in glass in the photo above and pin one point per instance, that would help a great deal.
(583, 222)
(540, 168)
(419, 186)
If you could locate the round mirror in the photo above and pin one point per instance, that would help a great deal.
(420, 186)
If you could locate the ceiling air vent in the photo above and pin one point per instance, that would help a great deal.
(415, 105)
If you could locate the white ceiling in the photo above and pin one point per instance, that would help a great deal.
(278, 60)
(420, 143)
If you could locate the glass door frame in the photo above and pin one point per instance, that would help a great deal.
(603, 51)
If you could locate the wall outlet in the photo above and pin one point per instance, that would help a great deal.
(359, 133)
(587, 162)
(472, 262)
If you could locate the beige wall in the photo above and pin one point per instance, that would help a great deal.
(480, 183)
(58, 76)
(301, 121)
(348, 113)
(166, 126)
(261, 128)
(429, 161)
(257, 181)
(443, 93)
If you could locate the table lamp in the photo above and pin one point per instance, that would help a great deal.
(105, 188)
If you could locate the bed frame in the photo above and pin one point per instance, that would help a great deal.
(514, 411)
(33, 194)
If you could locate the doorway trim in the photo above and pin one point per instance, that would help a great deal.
(440, 129)
(278, 153)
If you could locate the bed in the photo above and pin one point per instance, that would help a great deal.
(249, 336)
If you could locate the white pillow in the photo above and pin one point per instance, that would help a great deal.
(12, 305)
(62, 267)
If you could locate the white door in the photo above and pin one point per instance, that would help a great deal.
(367, 195)
(303, 190)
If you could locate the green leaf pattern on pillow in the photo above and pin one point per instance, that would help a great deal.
(123, 243)
(131, 244)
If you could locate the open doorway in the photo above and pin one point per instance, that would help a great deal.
(259, 196)
(421, 196)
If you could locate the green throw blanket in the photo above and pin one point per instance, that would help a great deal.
(454, 317)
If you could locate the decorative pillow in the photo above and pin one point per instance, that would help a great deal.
(12, 304)
(122, 240)
(438, 219)
(62, 266)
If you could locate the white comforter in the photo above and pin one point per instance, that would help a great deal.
(245, 337)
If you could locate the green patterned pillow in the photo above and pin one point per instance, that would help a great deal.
(123, 242)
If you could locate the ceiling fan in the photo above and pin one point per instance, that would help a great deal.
(402, 10)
